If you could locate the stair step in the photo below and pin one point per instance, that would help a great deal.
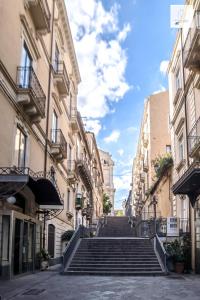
(115, 273)
(113, 269)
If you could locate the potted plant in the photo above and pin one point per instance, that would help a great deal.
(44, 258)
(175, 250)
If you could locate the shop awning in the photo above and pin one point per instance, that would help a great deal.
(46, 194)
(189, 184)
(13, 180)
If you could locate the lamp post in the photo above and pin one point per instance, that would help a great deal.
(154, 202)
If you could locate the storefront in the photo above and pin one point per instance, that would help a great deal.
(23, 199)
(189, 184)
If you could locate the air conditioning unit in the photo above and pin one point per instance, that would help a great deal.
(172, 226)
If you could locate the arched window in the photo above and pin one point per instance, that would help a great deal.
(51, 239)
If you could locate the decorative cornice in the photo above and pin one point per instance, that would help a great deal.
(68, 36)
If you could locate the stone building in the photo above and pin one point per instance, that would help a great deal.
(107, 166)
(184, 95)
(154, 148)
(46, 184)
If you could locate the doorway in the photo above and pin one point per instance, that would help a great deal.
(24, 246)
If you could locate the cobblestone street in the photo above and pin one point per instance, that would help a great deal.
(51, 285)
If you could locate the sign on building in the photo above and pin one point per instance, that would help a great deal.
(172, 226)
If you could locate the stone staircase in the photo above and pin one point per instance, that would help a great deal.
(121, 254)
(114, 256)
(116, 227)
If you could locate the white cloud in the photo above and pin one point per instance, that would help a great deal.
(122, 182)
(121, 152)
(94, 126)
(102, 60)
(132, 129)
(113, 137)
(163, 66)
(123, 34)
(161, 89)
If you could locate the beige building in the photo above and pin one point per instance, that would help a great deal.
(151, 179)
(97, 176)
(184, 95)
(46, 184)
(107, 166)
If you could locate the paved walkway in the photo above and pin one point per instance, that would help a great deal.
(51, 285)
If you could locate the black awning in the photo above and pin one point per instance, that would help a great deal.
(189, 184)
(45, 192)
(13, 180)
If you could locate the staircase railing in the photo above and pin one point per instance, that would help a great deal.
(101, 223)
(160, 250)
(79, 233)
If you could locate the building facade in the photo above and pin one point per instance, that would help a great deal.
(149, 180)
(46, 179)
(184, 95)
(107, 167)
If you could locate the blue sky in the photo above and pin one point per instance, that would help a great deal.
(122, 48)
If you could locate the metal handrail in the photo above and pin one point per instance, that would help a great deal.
(191, 35)
(194, 136)
(160, 250)
(57, 137)
(27, 79)
(60, 69)
(72, 244)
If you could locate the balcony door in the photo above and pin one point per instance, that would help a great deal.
(54, 127)
(26, 63)
(56, 59)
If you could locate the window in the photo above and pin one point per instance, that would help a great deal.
(51, 239)
(26, 63)
(168, 148)
(178, 80)
(20, 148)
(181, 148)
(57, 56)
(70, 105)
(68, 200)
(54, 127)
(69, 162)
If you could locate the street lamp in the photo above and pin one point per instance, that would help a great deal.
(154, 202)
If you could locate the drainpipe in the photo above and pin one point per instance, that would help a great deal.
(48, 108)
(49, 92)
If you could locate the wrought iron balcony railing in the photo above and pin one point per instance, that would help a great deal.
(194, 139)
(190, 42)
(27, 80)
(85, 172)
(61, 76)
(58, 141)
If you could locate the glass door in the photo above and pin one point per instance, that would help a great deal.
(26, 63)
(24, 244)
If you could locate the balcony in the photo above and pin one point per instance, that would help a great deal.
(40, 14)
(191, 54)
(142, 177)
(30, 94)
(145, 167)
(58, 145)
(71, 171)
(61, 78)
(194, 140)
(73, 120)
(85, 173)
